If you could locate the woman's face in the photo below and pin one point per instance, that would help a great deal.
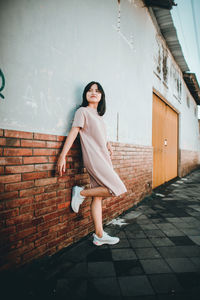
(93, 95)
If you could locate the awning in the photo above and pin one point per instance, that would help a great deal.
(167, 4)
(193, 86)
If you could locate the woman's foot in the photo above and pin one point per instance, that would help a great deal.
(105, 239)
(77, 198)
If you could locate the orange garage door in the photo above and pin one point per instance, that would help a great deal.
(164, 142)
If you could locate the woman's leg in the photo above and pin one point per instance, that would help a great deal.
(96, 212)
(96, 192)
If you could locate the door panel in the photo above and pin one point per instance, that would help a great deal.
(171, 133)
(164, 142)
(157, 137)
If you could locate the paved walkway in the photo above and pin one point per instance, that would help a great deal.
(158, 256)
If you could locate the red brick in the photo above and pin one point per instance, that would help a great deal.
(22, 234)
(63, 230)
(33, 143)
(51, 173)
(31, 191)
(7, 231)
(10, 160)
(2, 141)
(46, 181)
(36, 236)
(61, 138)
(56, 241)
(1, 132)
(37, 221)
(62, 245)
(42, 167)
(63, 205)
(53, 187)
(10, 142)
(16, 245)
(61, 199)
(24, 226)
(1, 188)
(17, 151)
(45, 152)
(9, 213)
(27, 208)
(10, 178)
(43, 136)
(21, 250)
(64, 178)
(53, 215)
(45, 211)
(18, 134)
(20, 169)
(9, 195)
(63, 192)
(58, 227)
(43, 204)
(48, 224)
(19, 202)
(35, 175)
(45, 196)
(19, 186)
(45, 239)
(35, 159)
(53, 159)
(54, 144)
(19, 219)
(1, 170)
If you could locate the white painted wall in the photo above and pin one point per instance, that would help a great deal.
(51, 50)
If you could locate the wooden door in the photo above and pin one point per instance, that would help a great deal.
(164, 142)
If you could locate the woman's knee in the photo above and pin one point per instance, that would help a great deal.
(97, 198)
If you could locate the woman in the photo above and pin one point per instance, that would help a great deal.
(97, 153)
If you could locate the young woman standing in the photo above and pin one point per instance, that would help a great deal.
(97, 153)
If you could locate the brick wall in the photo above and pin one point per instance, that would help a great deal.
(189, 160)
(35, 214)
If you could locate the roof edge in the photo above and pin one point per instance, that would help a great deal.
(165, 4)
(193, 85)
(163, 21)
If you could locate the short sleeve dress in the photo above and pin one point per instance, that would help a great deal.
(96, 157)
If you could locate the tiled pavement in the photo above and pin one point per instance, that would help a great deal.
(158, 256)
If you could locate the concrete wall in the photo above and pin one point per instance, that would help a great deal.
(49, 52)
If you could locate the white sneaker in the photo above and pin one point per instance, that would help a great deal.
(77, 198)
(105, 239)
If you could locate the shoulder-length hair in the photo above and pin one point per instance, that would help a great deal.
(101, 108)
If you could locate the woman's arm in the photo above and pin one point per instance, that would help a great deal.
(61, 164)
(110, 149)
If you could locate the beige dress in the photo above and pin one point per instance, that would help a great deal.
(96, 157)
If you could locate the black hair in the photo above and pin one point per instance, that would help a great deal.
(101, 108)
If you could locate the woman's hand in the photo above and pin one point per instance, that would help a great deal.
(61, 165)
(110, 149)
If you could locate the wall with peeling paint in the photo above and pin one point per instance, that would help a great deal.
(50, 51)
